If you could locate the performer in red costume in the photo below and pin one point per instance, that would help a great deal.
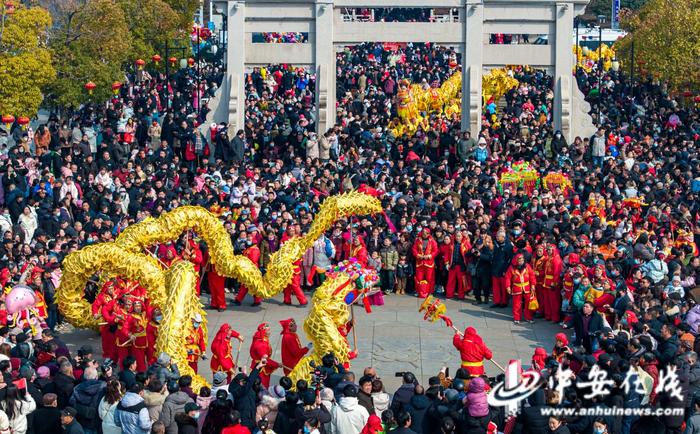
(539, 261)
(156, 317)
(217, 287)
(295, 286)
(106, 297)
(119, 319)
(358, 250)
(292, 351)
(552, 284)
(260, 349)
(194, 342)
(251, 252)
(193, 253)
(454, 256)
(520, 282)
(425, 250)
(138, 323)
(472, 351)
(222, 359)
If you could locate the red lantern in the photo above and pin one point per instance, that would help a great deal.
(172, 60)
(697, 99)
(140, 63)
(90, 86)
(9, 8)
(687, 94)
(641, 62)
(115, 87)
(190, 61)
(23, 121)
(8, 120)
(156, 59)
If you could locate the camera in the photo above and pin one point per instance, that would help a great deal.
(317, 377)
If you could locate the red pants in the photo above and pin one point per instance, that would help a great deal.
(216, 288)
(109, 349)
(242, 293)
(194, 366)
(541, 295)
(456, 276)
(518, 301)
(140, 356)
(294, 287)
(427, 274)
(498, 287)
(552, 305)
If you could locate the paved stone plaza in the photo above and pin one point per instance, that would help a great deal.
(392, 338)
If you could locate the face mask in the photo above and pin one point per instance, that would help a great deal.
(307, 430)
(409, 228)
(159, 318)
(195, 325)
(562, 245)
(517, 232)
(577, 281)
(195, 416)
(598, 430)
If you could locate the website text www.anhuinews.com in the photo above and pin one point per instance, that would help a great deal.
(597, 411)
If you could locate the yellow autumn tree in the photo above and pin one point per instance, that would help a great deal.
(25, 61)
(665, 37)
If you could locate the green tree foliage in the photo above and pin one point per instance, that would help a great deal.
(185, 10)
(92, 42)
(151, 23)
(666, 36)
(25, 61)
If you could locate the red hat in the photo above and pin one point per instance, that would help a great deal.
(561, 337)
(574, 259)
(285, 324)
(426, 231)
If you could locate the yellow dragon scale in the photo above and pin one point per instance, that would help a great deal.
(124, 257)
(328, 312)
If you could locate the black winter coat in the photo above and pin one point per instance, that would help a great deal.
(417, 407)
(502, 256)
(531, 418)
(186, 424)
(245, 400)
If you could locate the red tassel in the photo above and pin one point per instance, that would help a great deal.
(368, 307)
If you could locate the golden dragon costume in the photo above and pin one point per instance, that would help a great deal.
(173, 289)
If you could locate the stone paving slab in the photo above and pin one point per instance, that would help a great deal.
(393, 338)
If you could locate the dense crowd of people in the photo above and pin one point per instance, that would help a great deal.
(614, 258)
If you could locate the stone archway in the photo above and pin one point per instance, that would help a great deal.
(327, 28)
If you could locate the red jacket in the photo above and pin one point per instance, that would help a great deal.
(472, 350)
(520, 281)
(431, 250)
(253, 253)
(292, 351)
(194, 342)
(221, 359)
(261, 348)
(552, 271)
